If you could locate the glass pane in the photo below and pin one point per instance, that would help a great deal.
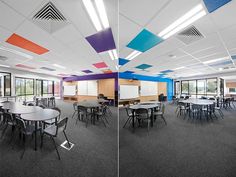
(56, 88)
(184, 87)
(7, 80)
(212, 86)
(192, 87)
(29, 86)
(50, 87)
(177, 88)
(20, 86)
(201, 87)
(45, 87)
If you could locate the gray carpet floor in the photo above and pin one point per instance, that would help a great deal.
(94, 153)
(182, 148)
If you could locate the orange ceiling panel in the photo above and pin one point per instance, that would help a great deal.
(23, 43)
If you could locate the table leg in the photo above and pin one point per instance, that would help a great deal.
(133, 119)
(152, 118)
(35, 136)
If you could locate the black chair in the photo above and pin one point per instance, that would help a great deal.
(42, 106)
(143, 114)
(182, 108)
(161, 113)
(25, 130)
(218, 108)
(129, 115)
(101, 114)
(30, 104)
(75, 107)
(196, 111)
(8, 120)
(52, 101)
(82, 113)
(53, 130)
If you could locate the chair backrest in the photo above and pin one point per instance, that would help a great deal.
(30, 104)
(81, 109)
(196, 107)
(127, 109)
(211, 98)
(163, 109)
(61, 125)
(20, 123)
(7, 116)
(42, 106)
(75, 106)
(142, 112)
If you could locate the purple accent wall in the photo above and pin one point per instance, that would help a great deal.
(94, 77)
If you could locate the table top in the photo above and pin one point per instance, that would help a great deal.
(149, 102)
(18, 108)
(102, 101)
(44, 114)
(89, 103)
(145, 106)
(198, 101)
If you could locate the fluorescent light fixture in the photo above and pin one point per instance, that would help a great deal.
(133, 55)
(215, 60)
(182, 67)
(102, 13)
(113, 54)
(59, 66)
(6, 66)
(188, 18)
(220, 69)
(16, 52)
(92, 14)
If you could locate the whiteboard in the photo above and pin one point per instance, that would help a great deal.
(129, 91)
(148, 88)
(92, 88)
(82, 88)
(89, 88)
(69, 90)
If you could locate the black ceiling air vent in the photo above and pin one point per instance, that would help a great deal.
(49, 12)
(49, 18)
(190, 35)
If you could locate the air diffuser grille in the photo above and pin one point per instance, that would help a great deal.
(49, 18)
(189, 35)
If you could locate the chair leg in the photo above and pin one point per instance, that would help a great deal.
(73, 114)
(41, 145)
(126, 122)
(22, 154)
(55, 147)
(3, 131)
(66, 138)
(163, 119)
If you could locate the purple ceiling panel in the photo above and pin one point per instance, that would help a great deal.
(102, 41)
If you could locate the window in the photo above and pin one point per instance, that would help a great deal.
(201, 87)
(211, 86)
(38, 87)
(177, 88)
(184, 87)
(232, 90)
(192, 87)
(56, 88)
(48, 88)
(24, 88)
(5, 84)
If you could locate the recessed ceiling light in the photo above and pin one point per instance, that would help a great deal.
(215, 60)
(59, 66)
(188, 18)
(133, 55)
(16, 52)
(6, 66)
(102, 13)
(220, 69)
